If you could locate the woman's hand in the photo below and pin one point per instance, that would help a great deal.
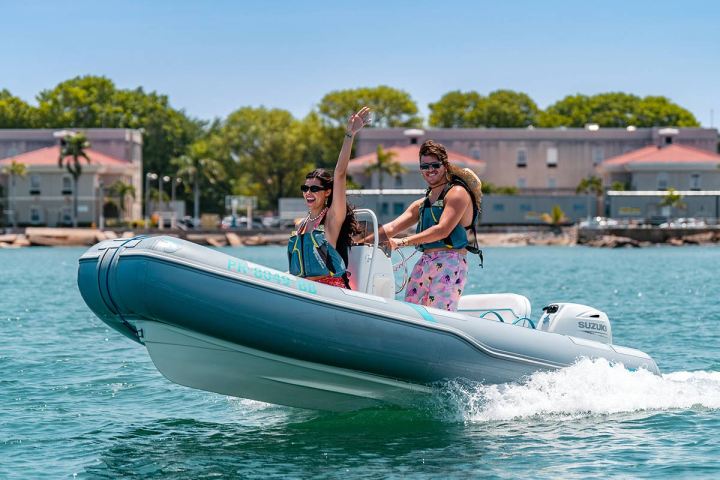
(392, 244)
(358, 120)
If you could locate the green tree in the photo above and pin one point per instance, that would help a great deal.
(615, 109)
(385, 165)
(655, 111)
(509, 109)
(198, 167)
(492, 189)
(457, 109)
(95, 102)
(122, 190)
(500, 109)
(321, 139)
(591, 185)
(72, 149)
(14, 112)
(14, 170)
(672, 199)
(269, 153)
(618, 186)
(555, 218)
(391, 107)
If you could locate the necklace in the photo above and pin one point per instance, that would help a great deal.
(312, 219)
(439, 185)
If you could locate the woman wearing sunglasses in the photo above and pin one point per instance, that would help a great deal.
(318, 249)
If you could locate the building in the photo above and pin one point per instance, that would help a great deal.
(537, 160)
(408, 156)
(45, 195)
(649, 172)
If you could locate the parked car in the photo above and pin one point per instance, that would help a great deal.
(240, 222)
(598, 222)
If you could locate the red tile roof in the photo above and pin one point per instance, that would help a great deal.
(49, 156)
(410, 155)
(671, 154)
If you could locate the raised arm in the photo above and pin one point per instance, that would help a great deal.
(336, 215)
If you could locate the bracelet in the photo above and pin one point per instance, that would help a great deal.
(348, 135)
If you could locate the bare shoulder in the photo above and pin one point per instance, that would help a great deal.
(458, 193)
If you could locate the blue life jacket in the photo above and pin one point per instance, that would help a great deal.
(310, 254)
(430, 216)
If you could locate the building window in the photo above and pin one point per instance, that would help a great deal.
(695, 181)
(384, 208)
(66, 216)
(498, 207)
(521, 183)
(34, 215)
(525, 207)
(34, 184)
(662, 181)
(475, 153)
(398, 208)
(552, 157)
(598, 155)
(67, 185)
(521, 158)
(579, 207)
(398, 181)
(552, 183)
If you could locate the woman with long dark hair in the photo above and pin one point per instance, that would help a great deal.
(318, 249)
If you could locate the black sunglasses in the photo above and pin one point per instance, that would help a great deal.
(434, 165)
(312, 188)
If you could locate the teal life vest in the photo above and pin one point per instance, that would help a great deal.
(430, 216)
(310, 254)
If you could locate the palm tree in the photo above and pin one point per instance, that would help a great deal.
(672, 199)
(385, 165)
(555, 218)
(122, 190)
(195, 167)
(590, 185)
(72, 149)
(15, 169)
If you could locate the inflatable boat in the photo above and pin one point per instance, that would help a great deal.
(219, 323)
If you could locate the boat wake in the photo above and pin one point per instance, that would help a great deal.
(589, 387)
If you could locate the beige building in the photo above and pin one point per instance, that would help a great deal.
(540, 160)
(663, 167)
(408, 156)
(44, 196)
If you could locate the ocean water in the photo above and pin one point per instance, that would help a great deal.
(79, 400)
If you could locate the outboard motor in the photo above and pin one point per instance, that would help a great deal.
(576, 320)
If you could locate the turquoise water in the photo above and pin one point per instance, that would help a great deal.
(76, 398)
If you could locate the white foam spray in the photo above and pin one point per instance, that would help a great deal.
(589, 387)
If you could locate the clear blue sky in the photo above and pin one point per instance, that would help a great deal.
(212, 57)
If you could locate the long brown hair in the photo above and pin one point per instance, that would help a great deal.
(350, 225)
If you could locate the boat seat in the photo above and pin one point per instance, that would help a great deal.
(370, 273)
(502, 307)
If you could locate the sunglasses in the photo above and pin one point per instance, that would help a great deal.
(433, 165)
(312, 188)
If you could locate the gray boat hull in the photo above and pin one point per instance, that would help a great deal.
(222, 324)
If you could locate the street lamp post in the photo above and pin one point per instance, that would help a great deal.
(149, 176)
(174, 184)
(101, 194)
